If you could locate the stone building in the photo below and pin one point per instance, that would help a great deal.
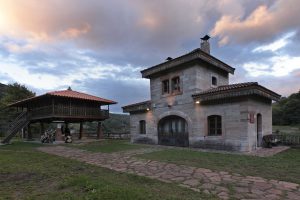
(193, 104)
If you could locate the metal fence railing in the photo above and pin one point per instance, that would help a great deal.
(287, 139)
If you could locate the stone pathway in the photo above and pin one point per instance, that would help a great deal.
(223, 184)
(265, 152)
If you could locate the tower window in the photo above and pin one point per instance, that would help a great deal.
(214, 81)
(176, 84)
(165, 87)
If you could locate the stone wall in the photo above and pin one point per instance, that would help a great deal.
(264, 108)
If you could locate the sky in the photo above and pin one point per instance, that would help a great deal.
(100, 47)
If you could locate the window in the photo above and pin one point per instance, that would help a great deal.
(214, 125)
(165, 87)
(214, 81)
(142, 127)
(176, 84)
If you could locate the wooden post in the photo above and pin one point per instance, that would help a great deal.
(29, 134)
(80, 131)
(99, 131)
(42, 128)
(58, 134)
(52, 106)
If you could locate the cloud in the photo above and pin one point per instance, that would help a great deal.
(75, 32)
(100, 46)
(261, 24)
(276, 45)
(277, 66)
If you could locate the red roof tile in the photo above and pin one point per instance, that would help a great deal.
(228, 87)
(67, 94)
(79, 95)
(226, 91)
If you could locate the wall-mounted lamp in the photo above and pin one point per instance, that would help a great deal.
(148, 109)
(197, 102)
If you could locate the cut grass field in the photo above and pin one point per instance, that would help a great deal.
(290, 130)
(108, 146)
(283, 166)
(26, 173)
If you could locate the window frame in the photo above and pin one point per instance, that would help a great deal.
(214, 125)
(214, 79)
(167, 81)
(142, 127)
(175, 81)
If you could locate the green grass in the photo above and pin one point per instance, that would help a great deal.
(26, 173)
(290, 130)
(283, 166)
(109, 146)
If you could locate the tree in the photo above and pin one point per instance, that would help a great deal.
(15, 92)
(287, 110)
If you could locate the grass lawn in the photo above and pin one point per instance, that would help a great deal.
(109, 146)
(28, 174)
(290, 130)
(283, 166)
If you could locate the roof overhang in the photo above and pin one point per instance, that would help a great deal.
(59, 94)
(137, 107)
(196, 55)
(236, 90)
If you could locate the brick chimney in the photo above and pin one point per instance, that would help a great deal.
(205, 46)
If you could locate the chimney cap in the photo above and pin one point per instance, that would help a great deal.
(205, 38)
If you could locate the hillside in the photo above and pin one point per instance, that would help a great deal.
(117, 123)
(2, 89)
(287, 110)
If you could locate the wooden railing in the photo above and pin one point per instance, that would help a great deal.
(59, 110)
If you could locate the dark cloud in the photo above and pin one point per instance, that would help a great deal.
(100, 46)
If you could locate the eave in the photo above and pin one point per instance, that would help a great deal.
(195, 55)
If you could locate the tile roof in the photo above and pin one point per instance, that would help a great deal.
(227, 87)
(195, 55)
(234, 90)
(67, 94)
(79, 95)
(141, 106)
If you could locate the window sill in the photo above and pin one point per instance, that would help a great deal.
(171, 94)
(213, 136)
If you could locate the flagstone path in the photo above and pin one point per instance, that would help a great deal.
(225, 185)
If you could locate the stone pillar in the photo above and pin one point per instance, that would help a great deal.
(29, 134)
(58, 134)
(99, 131)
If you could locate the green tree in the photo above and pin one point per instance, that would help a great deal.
(287, 110)
(15, 92)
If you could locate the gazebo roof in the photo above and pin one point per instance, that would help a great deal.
(66, 94)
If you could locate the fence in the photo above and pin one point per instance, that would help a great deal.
(107, 135)
(117, 135)
(293, 140)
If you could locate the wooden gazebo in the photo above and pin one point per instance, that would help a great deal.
(65, 106)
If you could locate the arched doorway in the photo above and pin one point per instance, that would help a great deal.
(173, 131)
(259, 130)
